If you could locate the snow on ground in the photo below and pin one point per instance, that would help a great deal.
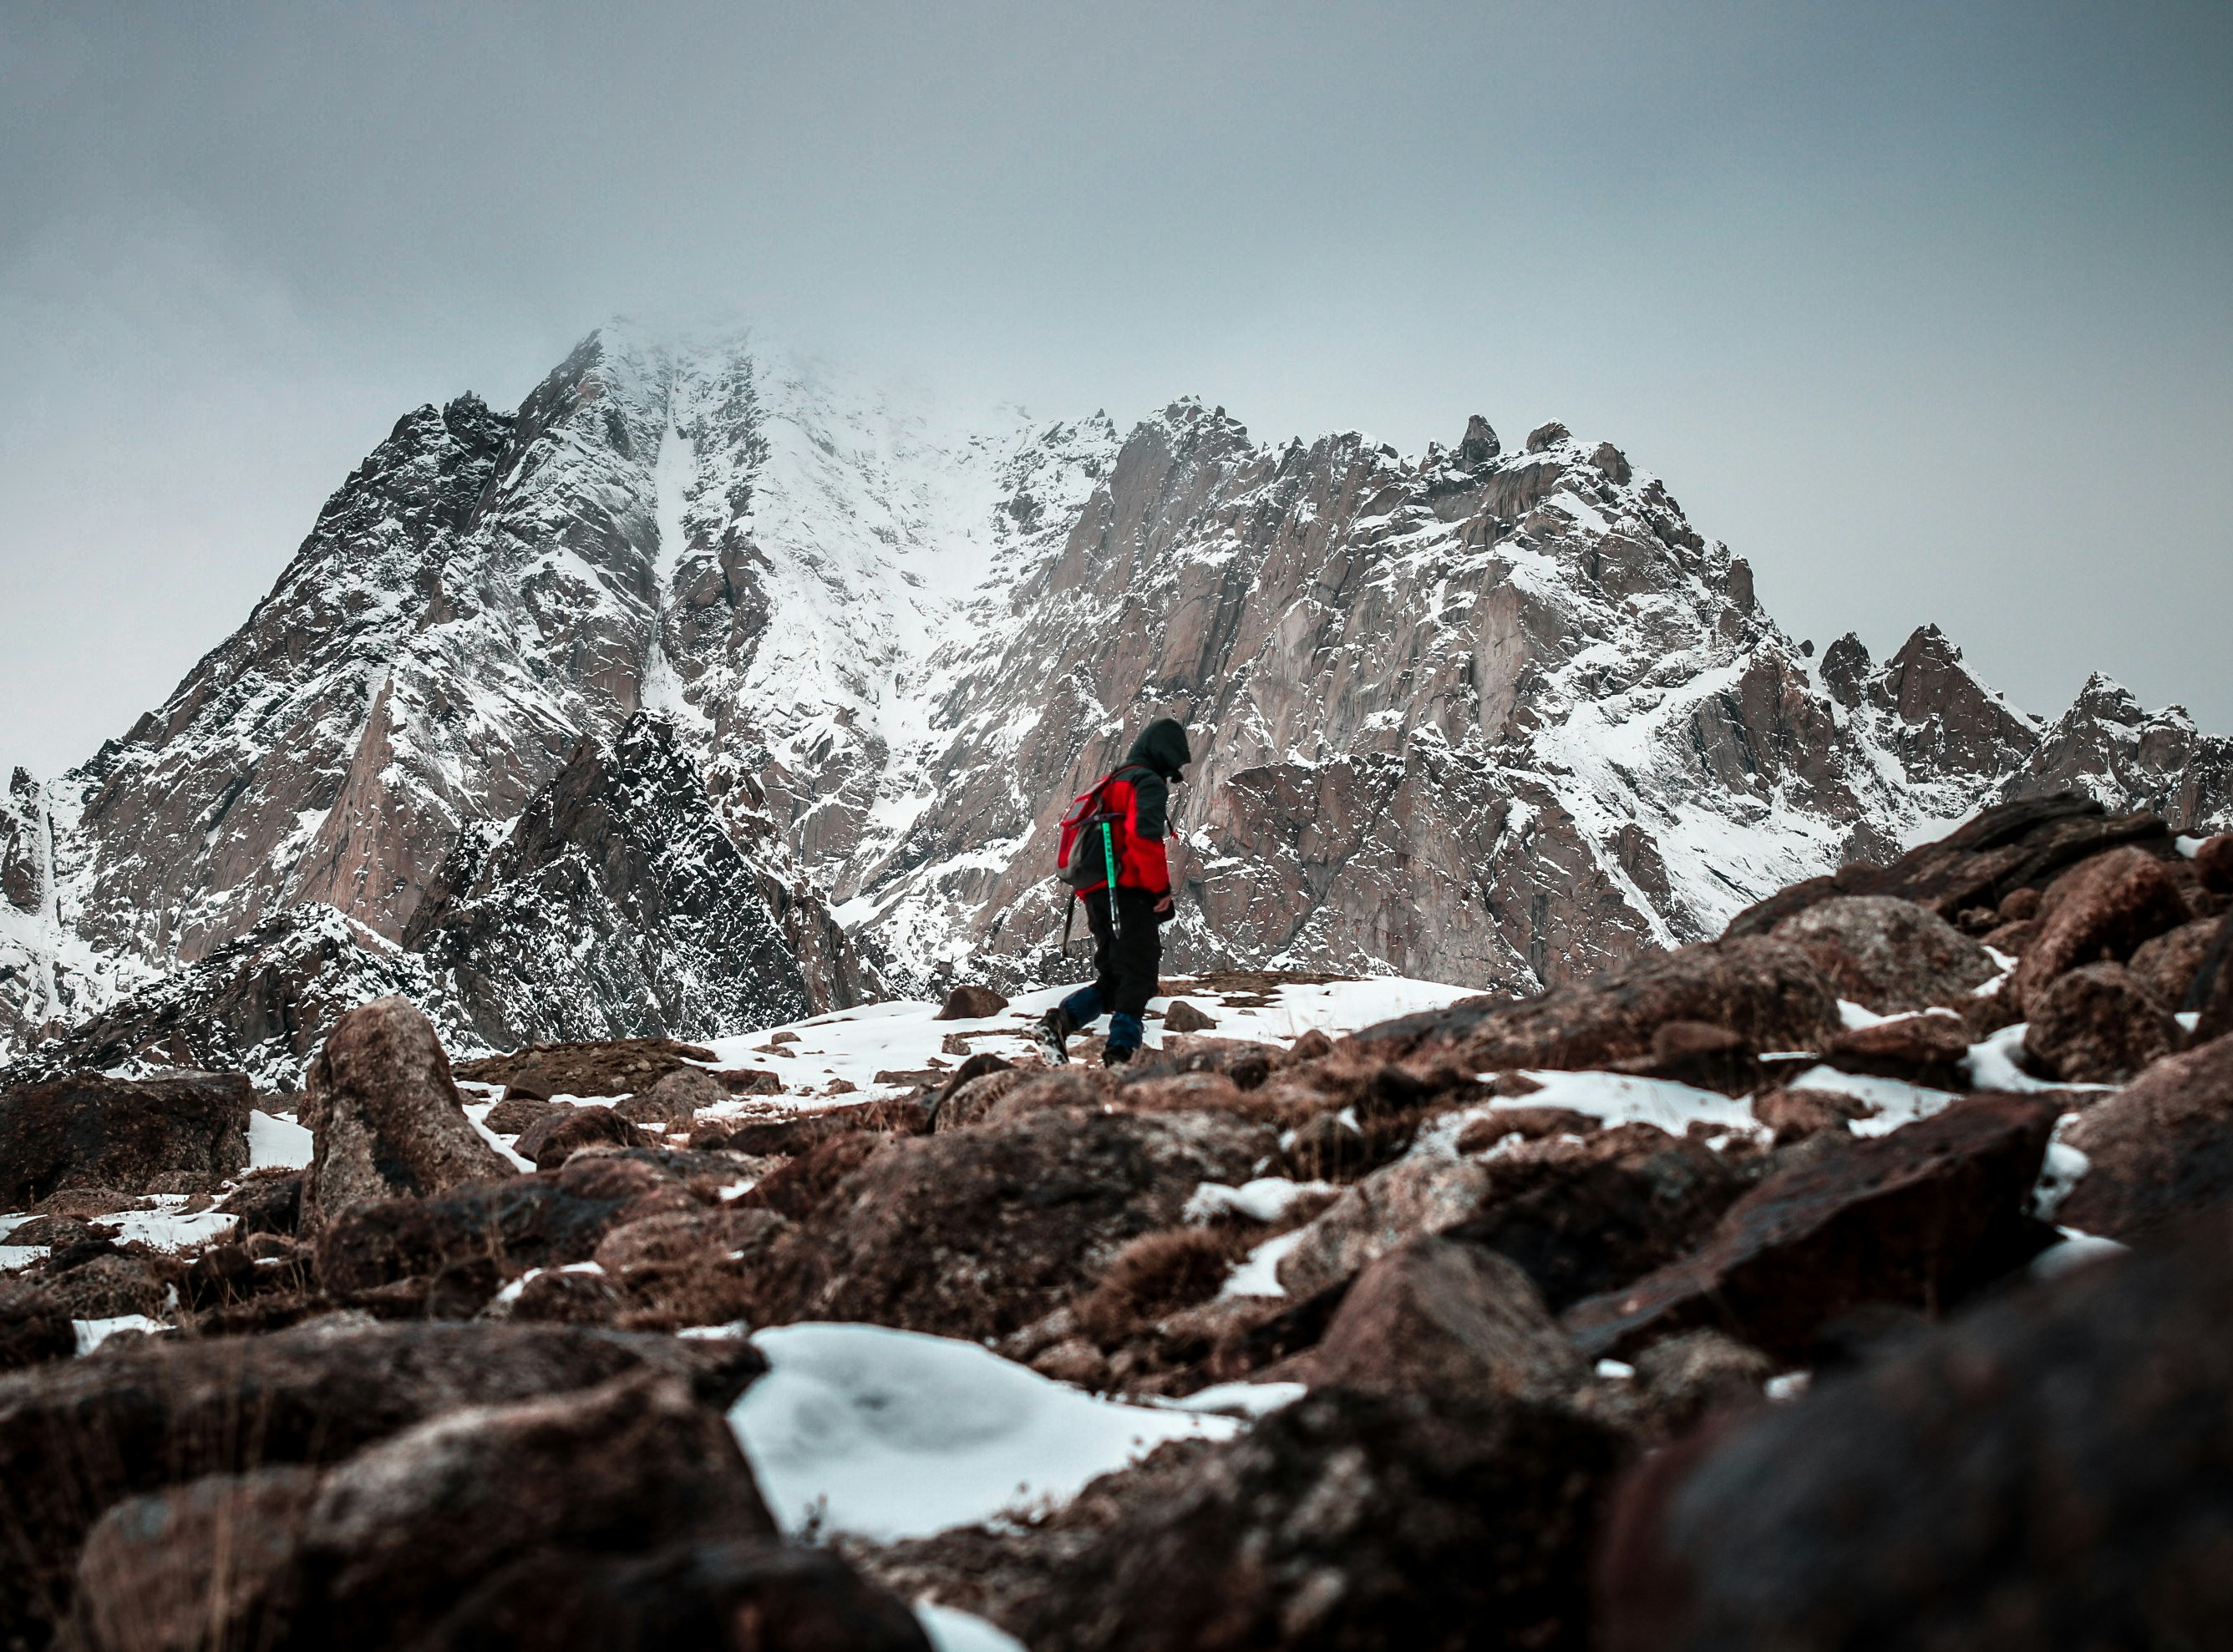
(276, 1143)
(902, 1036)
(890, 1434)
(949, 1630)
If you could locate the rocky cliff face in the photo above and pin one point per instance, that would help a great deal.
(740, 664)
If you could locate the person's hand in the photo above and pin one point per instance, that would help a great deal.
(1163, 906)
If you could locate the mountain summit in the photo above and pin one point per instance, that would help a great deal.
(721, 658)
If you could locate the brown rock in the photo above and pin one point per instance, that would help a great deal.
(516, 1113)
(2168, 965)
(1921, 1049)
(592, 1067)
(392, 1539)
(1888, 955)
(1530, 1123)
(797, 1132)
(1700, 1054)
(544, 1221)
(1925, 1216)
(1418, 1195)
(34, 1326)
(674, 1101)
(2044, 1474)
(2213, 863)
(2097, 1024)
(968, 1003)
(1349, 1520)
(78, 1436)
(685, 1236)
(99, 1282)
(976, 1233)
(207, 1563)
(89, 1131)
(267, 1202)
(1795, 1115)
(1182, 1017)
(2102, 908)
(551, 1141)
(1683, 1378)
(1585, 1217)
(2022, 905)
(566, 1297)
(2010, 938)
(2159, 1149)
(1766, 992)
(1311, 1045)
(786, 1599)
(1439, 1315)
(798, 1189)
(385, 1120)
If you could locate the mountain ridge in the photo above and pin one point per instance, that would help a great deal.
(1500, 719)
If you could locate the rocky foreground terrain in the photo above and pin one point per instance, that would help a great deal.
(712, 650)
(1856, 1279)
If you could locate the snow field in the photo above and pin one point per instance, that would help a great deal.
(890, 1434)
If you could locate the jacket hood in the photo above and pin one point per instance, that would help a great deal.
(1162, 747)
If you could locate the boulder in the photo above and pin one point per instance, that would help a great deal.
(98, 1281)
(2159, 1150)
(207, 1563)
(2045, 1474)
(685, 1236)
(976, 1233)
(1925, 1050)
(544, 1221)
(969, 1003)
(2101, 908)
(756, 1595)
(1365, 1522)
(385, 1120)
(574, 1295)
(1702, 1055)
(1682, 1379)
(2211, 995)
(1925, 1216)
(1182, 1017)
(1766, 992)
(1795, 1115)
(588, 1067)
(389, 1541)
(79, 1436)
(34, 1326)
(2213, 863)
(1424, 1194)
(1583, 1216)
(2168, 965)
(1439, 1315)
(266, 1201)
(2097, 1024)
(515, 1113)
(676, 1099)
(89, 1131)
(792, 1133)
(552, 1139)
(1889, 954)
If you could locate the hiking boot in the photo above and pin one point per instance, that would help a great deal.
(1049, 1036)
(1118, 1055)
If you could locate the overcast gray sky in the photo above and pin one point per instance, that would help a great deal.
(1925, 308)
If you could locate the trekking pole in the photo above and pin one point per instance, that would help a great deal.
(1108, 864)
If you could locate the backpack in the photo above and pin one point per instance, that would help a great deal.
(1091, 845)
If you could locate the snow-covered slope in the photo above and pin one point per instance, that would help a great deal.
(1493, 717)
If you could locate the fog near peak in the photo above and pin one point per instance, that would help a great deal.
(1922, 310)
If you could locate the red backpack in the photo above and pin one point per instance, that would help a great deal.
(1090, 849)
(1093, 840)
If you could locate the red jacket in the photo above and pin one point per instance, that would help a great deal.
(1143, 798)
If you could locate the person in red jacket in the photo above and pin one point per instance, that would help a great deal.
(1128, 943)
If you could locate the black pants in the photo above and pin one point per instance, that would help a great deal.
(1126, 966)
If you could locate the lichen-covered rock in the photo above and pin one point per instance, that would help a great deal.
(977, 1232)
(1887, 954)
(2098, 1025)
(91, 1131)
(385, 1117)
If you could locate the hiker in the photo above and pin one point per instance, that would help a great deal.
(1119, 825)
